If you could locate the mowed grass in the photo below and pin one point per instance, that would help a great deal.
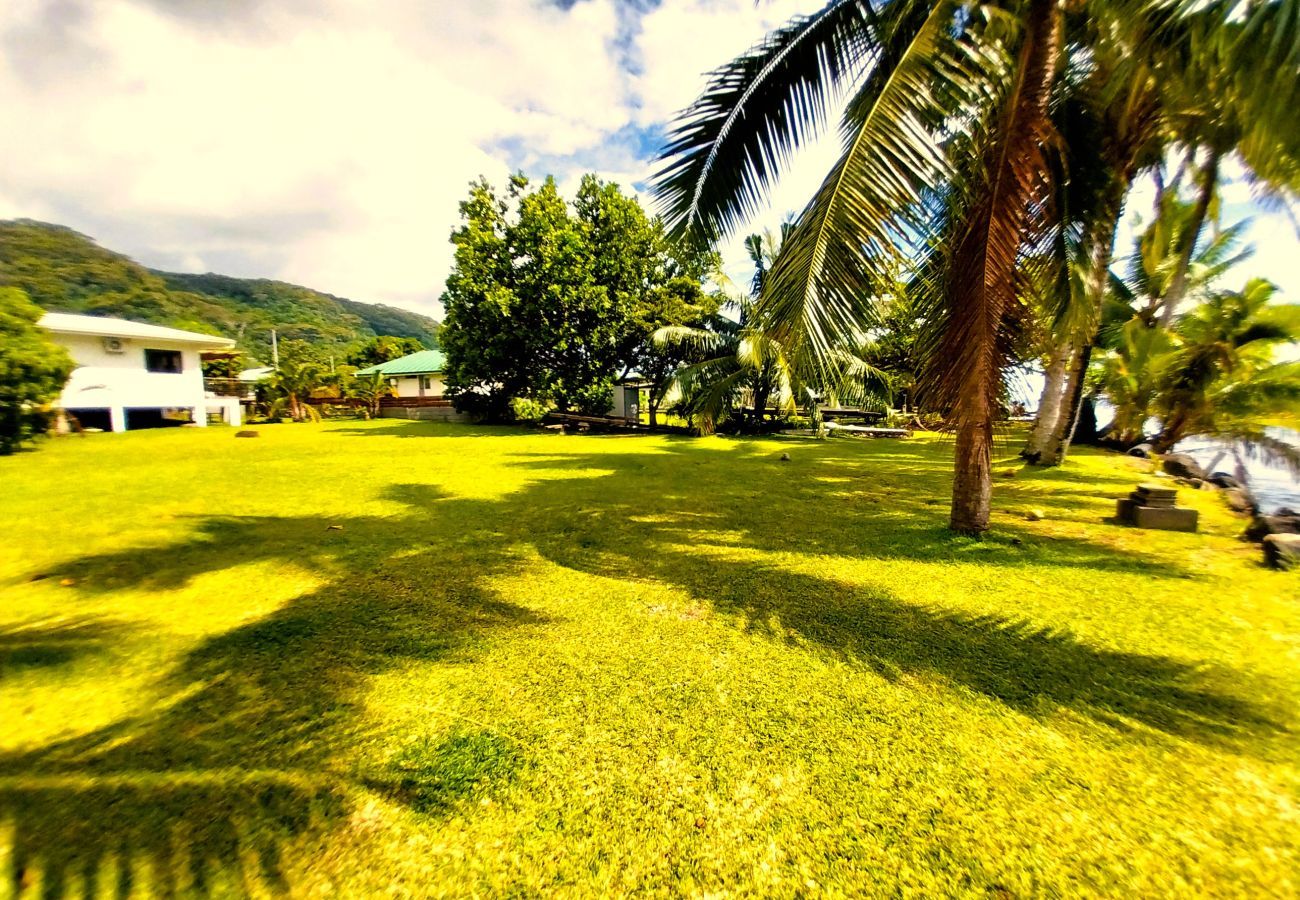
(417, 660)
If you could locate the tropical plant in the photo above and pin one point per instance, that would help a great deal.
(1130, 376)
(1223, 378)
(371, 390)
(1144, 104)
(33, 370)
(948, 141)
(739, 370)
(294, 380)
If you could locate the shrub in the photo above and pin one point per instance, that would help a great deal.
(33, 370)
(525, 409)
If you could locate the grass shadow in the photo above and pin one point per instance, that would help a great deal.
(238, 752)
(52, 642)
(243, 749)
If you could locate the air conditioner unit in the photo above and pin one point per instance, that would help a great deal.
(114, 345)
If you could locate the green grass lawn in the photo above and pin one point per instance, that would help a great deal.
(419, 660)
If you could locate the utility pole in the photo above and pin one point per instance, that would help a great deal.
(275, 351)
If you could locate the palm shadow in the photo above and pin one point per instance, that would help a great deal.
(53, 642)
(237, 755)
(714, 544)
(244, 749)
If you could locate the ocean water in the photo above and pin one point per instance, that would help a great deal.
(1274, 487)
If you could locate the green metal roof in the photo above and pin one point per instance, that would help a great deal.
(423, 362)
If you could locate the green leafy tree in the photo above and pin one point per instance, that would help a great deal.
(552, 303)
(33, 370)
(383, 349)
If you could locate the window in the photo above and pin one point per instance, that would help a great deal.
(167, 361)
(424, 383)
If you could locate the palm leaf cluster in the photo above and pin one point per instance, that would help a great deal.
(987, 148)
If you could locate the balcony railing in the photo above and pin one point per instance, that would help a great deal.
(228, 387)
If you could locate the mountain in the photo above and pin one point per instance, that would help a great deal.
(64, 271)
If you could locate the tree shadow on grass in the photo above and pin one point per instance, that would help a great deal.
(242, 749)
(248, 745)
(715, 542)
(53, 642)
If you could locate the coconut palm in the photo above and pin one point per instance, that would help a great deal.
(737, 363)
(947, 138)
(291, 384)
(1205, 90)
(1223, 379)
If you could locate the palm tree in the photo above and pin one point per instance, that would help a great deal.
(293, 382)
(1223, 379)
(737, 361)
(947, 140)
(1206, 89)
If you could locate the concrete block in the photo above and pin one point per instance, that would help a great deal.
(1165, 519)
(1124, 507)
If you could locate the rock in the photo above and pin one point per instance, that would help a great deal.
(1180, 465)
(1225, 481)
(1035, 515)
(1238, 500)
(68, 582)
(1287, 511)
(1282, 551)
(1263, 526)
(785, 457)
(1141, 451)
(247, 434)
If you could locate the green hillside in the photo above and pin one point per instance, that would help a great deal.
(64, 271)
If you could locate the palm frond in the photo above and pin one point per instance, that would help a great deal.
(850, 239)
(726, 150)
(1012, 211)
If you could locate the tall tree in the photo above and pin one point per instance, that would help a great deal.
(552, 303)
(950, 109)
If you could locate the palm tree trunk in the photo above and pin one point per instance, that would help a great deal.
(1049, 402)
(984, 262)
(1059, 445)
(1100, 249)
(1178, 283)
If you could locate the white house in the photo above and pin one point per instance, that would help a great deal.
(133, 375)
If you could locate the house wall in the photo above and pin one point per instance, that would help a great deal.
(409, 386)
(119, 381)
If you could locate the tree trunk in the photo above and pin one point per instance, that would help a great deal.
(972, 482)
(654, 413)
(984, 264)
(760, 407)
(1049, 403)
(1059, 446)
(1099, 244)
(1178, 283)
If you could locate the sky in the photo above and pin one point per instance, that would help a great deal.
(328, 143)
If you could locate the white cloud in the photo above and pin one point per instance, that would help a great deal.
(329, 143)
